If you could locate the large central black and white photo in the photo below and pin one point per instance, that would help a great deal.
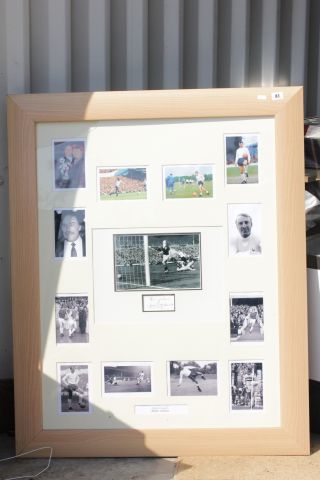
(157, 262)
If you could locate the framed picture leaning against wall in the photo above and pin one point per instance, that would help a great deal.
(159, 294)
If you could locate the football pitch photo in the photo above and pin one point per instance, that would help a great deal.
(209, 386)
(233, 175)
(125, 378)
(127, 386)
(130, 277)
(123, 196)
(190, 190)
(254, 336)
(170, 261)
(125, 183)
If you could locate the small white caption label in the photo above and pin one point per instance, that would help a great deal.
(277, 96)
(161, 409)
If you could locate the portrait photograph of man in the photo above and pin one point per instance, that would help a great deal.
(244, 229)
(70, 241)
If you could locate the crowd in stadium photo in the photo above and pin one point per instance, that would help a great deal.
(122, 184)
(246, 319)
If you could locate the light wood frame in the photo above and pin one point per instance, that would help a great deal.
(24, 112)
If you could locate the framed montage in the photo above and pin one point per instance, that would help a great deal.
(158, 272)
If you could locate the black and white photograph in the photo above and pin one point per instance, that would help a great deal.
(192, 378)
(69, 164)
(126, 378)
(246, 386)
(72, 319)
(74, 388)
(188, 181)
(122, 183)
(244, 222)
(241, 153)
(70, 234)
(246, 317)
(157, 262)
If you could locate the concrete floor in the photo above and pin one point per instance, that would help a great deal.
(252, 468)
(86, 468)
(186, 468)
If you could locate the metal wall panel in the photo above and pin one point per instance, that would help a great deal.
(87, 45)
(50, 45)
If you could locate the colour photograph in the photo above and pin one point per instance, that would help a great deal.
(72, 319)
(69, 164)
(127, 378)
(246, 386)
(192, 378)
(122, 183)
(74, 388)
(188, 181)
(246, 317)
(241, 156)
(157, 262)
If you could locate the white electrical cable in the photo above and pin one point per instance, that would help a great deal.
(27, 453)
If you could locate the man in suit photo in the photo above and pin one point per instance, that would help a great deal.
(70, 234)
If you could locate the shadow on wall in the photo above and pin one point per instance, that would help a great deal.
(64, 394)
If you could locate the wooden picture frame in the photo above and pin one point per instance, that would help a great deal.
(285, 107)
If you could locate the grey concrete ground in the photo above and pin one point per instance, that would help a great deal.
(86, 468)
(184, 468)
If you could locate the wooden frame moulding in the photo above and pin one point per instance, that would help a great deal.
(24, 113)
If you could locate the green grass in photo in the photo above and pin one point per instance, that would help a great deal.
(124, 196)
(233, 174)
(190, 190)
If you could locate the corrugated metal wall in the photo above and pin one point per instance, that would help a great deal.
(87, 45)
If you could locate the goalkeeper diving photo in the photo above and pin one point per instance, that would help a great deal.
(157, 262)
